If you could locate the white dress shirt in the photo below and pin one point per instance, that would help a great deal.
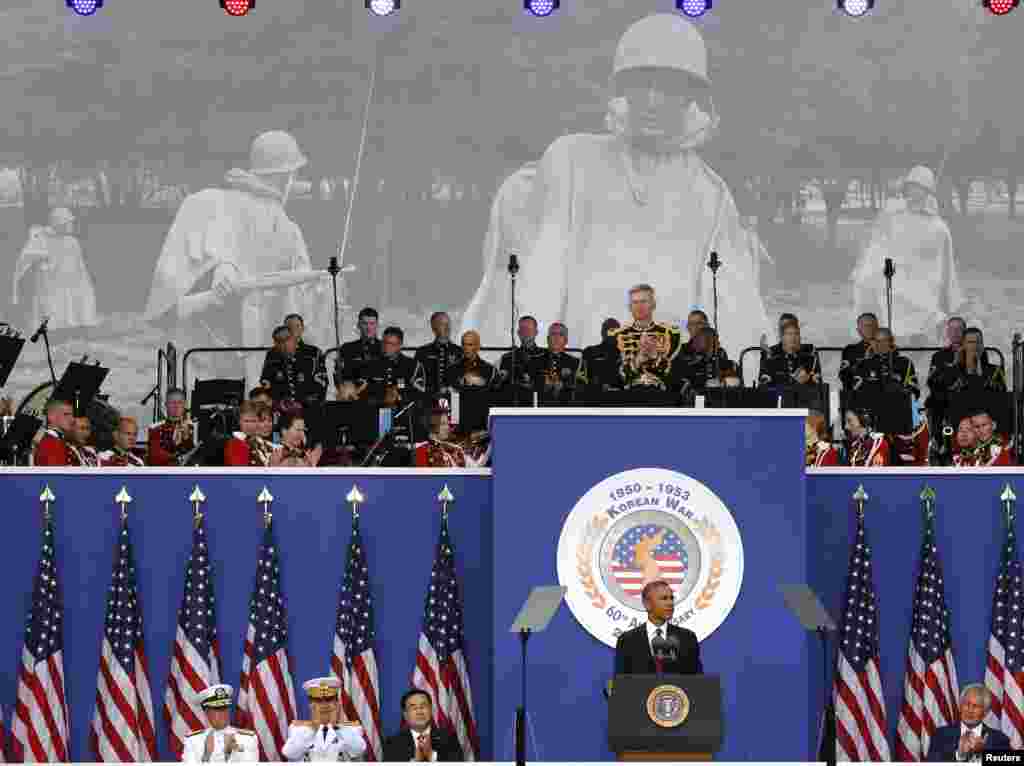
(652, 632)
(977, 731)
(416, 742)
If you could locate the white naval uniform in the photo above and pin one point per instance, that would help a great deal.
(324, 743)
(247, 747)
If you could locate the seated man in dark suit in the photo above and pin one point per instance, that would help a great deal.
(966, 740)
(635, 651)
(422, 741)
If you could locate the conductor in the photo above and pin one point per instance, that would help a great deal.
(657, 646)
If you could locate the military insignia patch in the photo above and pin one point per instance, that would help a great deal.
(644, 525)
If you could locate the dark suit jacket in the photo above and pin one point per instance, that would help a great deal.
(399, 747)
(633, 652)
(946, 741)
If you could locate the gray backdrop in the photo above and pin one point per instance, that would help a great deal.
(163, 98)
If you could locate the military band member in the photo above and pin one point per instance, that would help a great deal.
(393, 372)
(647, 349)
(439, 451)
(290, 376)
(972, 371)
(965, 446)
(708, 366)
(794, 364)
(865, 447)
(220, 743)
(297, 326)
(785, 319)
(439, 355)
(884, 368)
(121, 455)
(695, 320)
(867, 326)
(356, 354)
(472, 372)
(820, 452)
(54, 448)
(248, 447)
(599, 369)
(993, 449)
(292, 450)
(80, 437)
(560, 368)
(528, 358)
(168, 441)
(327, 737)
(938, 399)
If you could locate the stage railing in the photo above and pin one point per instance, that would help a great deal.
(839, 350)
(215, 350)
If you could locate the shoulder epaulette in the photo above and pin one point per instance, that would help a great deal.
(249, 732)
(197, 731)
(302, 723)
(616, 330)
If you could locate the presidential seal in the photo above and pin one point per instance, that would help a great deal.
(668, 706)
(644, 525)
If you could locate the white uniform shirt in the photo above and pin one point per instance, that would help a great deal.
(246, 746)
(324, 743)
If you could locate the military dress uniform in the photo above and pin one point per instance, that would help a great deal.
(805, 348)
(435, 453)
(703, 371)
(252, 451)
(869, 450)
(309, 742)
(401, 371)
(292, 377)
(246, 747)
(882, 371)
(353, 358)
(436, 358)
(461, 374)
(318, 363)
(956, 380)
(119, 458)
(560, 371)
(529, 364)
(55, 449)
(599, 369)
(88, 456)
(160, 447)
(852, 355)
(638, 371)
(781, 369)
(995, 452)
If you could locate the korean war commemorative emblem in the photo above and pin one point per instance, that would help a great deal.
(643, 525)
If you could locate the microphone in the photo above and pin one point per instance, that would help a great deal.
(890, 270)
(513, 264)
(41, 330)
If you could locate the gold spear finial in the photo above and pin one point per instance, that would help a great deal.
(197, 498)
(861, 497)
(355, 497)
(265, 499)
(122, 499)
(444, 498)
(46, 498)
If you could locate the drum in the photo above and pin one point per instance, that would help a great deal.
(104, 418)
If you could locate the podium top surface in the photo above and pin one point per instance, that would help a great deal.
(646, 412)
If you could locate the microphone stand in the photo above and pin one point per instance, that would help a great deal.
(513, 272)
(334, 270)
(714, 263)
(49, 356)
(388, 435)
(829, 727)
(889, 272)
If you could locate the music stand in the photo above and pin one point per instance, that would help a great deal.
(357, 419)
(997, 404)
(18, 438)
(10, 350)
(219, 397)
(79, 385)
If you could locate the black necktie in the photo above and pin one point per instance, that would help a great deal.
(659, 661)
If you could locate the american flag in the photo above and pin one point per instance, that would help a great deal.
(39, 733)
(195, 657)
(266, 694)
(3, 735)
(648, 547)
(353, 659)
(123, 723)
(1004, 672)
(441, 658)
(931, 692)
(857, 686)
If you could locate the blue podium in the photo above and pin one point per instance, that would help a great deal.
(603, 501)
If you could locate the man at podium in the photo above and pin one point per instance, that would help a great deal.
(657, 646)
